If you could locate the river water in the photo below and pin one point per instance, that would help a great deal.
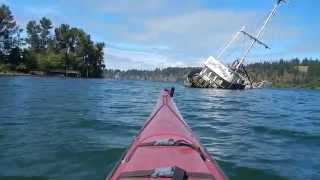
(55, 128)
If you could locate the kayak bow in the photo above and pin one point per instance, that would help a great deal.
(166, 148)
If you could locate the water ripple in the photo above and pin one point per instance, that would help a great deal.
(53, 128)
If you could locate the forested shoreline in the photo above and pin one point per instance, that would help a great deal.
(41, 48)
(283, 73)
(291, 73)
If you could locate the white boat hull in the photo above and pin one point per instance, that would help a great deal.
(216, 75)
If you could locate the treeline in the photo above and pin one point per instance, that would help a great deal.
(166, 74)
(282, 73)
(47, 48)
(290, 73)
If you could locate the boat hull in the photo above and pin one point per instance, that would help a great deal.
(215, 74)
(143, 156)
(198, 81)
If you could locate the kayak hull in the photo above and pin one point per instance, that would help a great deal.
(144, 154)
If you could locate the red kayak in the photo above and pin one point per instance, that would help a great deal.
(165, 148)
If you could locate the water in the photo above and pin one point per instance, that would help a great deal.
(53, 128)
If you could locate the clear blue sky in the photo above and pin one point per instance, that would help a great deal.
(146, 34)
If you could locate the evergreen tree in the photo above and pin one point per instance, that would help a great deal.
(9, 32)
(45, 37)
(33, 33)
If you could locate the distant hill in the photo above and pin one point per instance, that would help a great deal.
(282, 73)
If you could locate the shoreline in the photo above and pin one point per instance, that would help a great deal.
(3, 74)
(14, 74)
(284, 86)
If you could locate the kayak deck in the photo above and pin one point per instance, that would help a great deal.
(165, 142)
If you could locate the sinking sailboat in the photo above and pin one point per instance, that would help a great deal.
(216, 74)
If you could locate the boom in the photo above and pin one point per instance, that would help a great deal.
(258, 35)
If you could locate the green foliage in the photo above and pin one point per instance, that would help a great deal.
(21, 68)
(292, 73)
(81, 52)
(49, 61)
(33, 39)
(4, 68)
(167, 74)
(9, 33)
(30, 60)
(45, 37)
(68, 48)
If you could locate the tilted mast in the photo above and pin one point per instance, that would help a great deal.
(255, 39)
(215, 74)
(234, 38)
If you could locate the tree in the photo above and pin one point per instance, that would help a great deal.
(98, 59)
(33, 39)
(81, 52)
(45, 38)
(67, 41)
(69, 47)
(8, 31)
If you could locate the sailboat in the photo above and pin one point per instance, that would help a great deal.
(216, 74)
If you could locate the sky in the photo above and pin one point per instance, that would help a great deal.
(145, 34)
